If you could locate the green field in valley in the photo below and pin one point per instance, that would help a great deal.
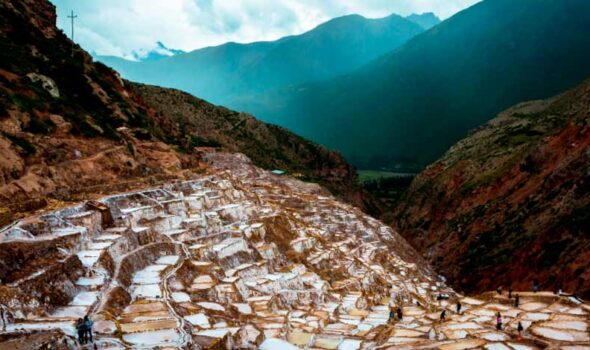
(369, 175)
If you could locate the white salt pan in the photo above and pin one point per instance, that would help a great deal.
(84, 299)
(277, 344)
(168, 260)
(162, 337)
(200, 320)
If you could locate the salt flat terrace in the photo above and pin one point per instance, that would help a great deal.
(242, 258)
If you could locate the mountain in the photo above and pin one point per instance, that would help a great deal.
(403, 110)
(511, 202)
(70, 126)
(425, 20)
(235, 71)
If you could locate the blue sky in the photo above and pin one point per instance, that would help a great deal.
(124, 27)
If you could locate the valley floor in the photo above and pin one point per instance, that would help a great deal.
(241, 258)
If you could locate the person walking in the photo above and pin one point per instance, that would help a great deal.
(443, 315)
(498, 321)
(517, 300)
(88, 329)
(391, 314)
(3, 319)
(519, 328)
(458, 307)
(81, 331)
(400, 315)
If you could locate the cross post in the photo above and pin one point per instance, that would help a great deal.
(72, 17)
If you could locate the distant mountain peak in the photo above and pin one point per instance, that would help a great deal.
(426, 20)
(157, 53)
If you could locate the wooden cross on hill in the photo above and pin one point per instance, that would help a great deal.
(72, 17)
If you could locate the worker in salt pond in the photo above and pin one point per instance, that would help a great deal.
(400, 314)
(81, 331)
(391, 314)
(499, 321)
(88, 323)
(443, 315)
(458, 307)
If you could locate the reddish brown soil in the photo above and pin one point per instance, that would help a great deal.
(511, 203)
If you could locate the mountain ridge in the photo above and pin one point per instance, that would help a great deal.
(229, 71)
(426, 20)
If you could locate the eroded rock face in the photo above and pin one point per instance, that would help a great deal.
(46, 82)
(241, 258)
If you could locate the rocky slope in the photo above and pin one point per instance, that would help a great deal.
(510, 203)
(69, 125)
(239, 258)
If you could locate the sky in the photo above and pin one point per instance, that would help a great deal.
(131, 28)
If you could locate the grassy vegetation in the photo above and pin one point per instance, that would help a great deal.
(388, 187)
(197, 141)
(25, 147)
(370, 175)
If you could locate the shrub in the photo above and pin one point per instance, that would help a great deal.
(25, 148)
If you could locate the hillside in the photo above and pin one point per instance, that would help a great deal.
(403, 110)
(235, 71)
(511, 202)
(70, 126)
(269, 146)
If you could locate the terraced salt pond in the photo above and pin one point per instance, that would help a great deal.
(241, 258)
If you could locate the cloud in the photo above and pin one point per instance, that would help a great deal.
(124, 27)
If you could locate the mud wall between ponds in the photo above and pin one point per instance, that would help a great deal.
(140, 258)
(19, 259)
(187, 273)
(118, 297)
(54, 287)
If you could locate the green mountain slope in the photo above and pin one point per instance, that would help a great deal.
(406, 108)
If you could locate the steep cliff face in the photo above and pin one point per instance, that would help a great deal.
(510, 203)
(69, 125)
